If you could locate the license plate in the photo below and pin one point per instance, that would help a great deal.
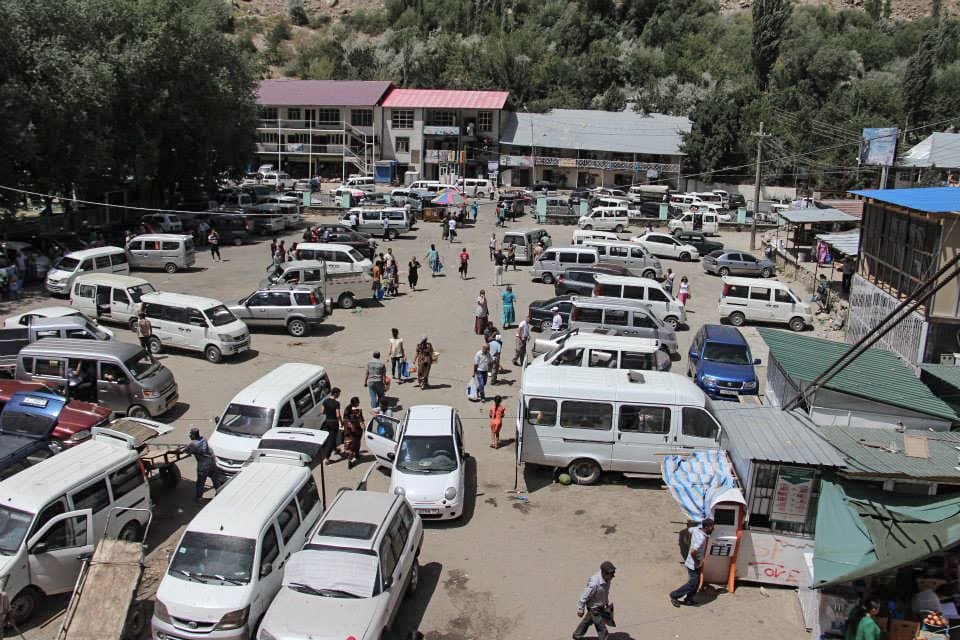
(728, 392)
(430, 512)
(243, 347)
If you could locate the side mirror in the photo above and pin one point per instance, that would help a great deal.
(40, 547)
(391, 456)
(756, 361)
(387, 583)
(216, 419)
(694, 354)
(266, 569)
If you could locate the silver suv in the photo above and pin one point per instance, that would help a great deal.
(296, 308)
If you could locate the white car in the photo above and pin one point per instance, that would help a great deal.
(350, 579)
(665, 245)
(25, 318)
(605, 219)
(425, 450)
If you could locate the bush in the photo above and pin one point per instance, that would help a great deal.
(298, 15)
(279, 33)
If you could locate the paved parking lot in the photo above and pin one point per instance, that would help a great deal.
(514, 566)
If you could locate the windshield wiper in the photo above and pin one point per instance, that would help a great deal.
(412, 469)
(215, 576)
(336, 593)
(305, 588)
(188, 575)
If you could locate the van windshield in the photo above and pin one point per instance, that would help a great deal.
(219, 316)
(13, 528)
(427, 454)
(356, 255)
(140, 366)
(726, 353)
(212, 558)
(246, 420)
(137, 292)
(68, 264)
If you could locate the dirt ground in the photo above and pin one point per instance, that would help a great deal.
(515, 564)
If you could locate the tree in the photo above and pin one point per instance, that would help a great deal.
(715, 138)
(769, 19)
(916, 79)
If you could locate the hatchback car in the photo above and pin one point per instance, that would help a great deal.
(295, 308)
(540, 316)
(665, 245)
(580, 281)
(698, 240)
(738, 263)
(720, 363)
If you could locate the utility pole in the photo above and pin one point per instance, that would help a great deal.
(756, 189)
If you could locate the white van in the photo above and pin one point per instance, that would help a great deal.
(591, 420)
(760, 300)
(582, 235)
(608, 202)
(626, 317)
(340, 258)
(61, 275)
(648, 193)
(476, 187)
(605, 351)
(708, 222)
(167, 251)
(430, 186)
(228, 565)
(277, 179)
(645, 290)
(54, 512)
(555, 260)
(109, 297)
(194, 324)
(288, 396)
(605, 219)
(362, 183)
(524, 241)
(163, 222)
(631, 255)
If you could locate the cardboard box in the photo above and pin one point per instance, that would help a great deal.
(882, 622)
(903, 630)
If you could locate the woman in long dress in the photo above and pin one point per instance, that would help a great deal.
(508, 298)
(480, 313)
(423, 360)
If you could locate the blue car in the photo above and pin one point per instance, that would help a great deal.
(720, 362)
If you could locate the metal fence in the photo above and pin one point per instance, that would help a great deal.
(868, 306)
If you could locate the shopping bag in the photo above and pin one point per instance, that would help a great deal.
(404, 369)
(472, 393)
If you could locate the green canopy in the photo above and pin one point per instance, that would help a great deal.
(863, 532)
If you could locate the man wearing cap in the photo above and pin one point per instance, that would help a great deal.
(694, 564)
(206, 463)
(557, 322)
(594, 605)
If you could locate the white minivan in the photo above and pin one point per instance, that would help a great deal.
(762, 300)
(708, 223)
(194, 324)
(590, 420)
(167, 251)
(52, 514)
(476, 187)
(288, 396)
(110, 298)
(340, 258)
(61, 275)
(555, 260)
(650, 292)
(228, 565)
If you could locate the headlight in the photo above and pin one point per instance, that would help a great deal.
(160, 612)
(450, 493)
(265, 635)
(149, 393)
(708, 380)
(234, 619)
(224, 337)
(78, 437)
(750, 385)
(399, 491)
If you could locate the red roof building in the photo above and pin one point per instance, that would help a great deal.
(445, 99)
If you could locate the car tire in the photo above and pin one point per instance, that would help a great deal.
(797, 324)
(650, 274)
(588, 227)
(724, 272)
(547, 278)
(546, 326)
(170, 267)
(24, 605)
(392, 234)
(131, 532)
(138, 411)
(297, 328)
(584, 471)
(618, 228)
(766, 272)
(212, 354)
(737, 319)
(154, 345)
(414, 578)
(346, 301)
(133, 324)
(676, 231)
(672, 321)
(684, 257)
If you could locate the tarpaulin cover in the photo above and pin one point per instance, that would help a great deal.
(864, 532)
(700, 480)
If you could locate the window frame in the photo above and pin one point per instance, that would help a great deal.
(402, 119)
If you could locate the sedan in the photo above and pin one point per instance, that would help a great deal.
(666, 246)
(582, 280)
(697, 239)
(540, 316)
(342, 234)
(740, 263)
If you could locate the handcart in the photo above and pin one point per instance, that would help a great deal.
(161, 465)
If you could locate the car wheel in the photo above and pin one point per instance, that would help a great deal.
(797, 324)
(154, 345)
(684, 257)
(584, 471)
(24, 605)
(170, 267)
(212, 354)
(546, 326)
(724, 272)
(547, 278)
(736, 319)
(676, 232)
(766, 272)
(237, 242)
(618, 228)
(414, 578)
(297, 328)
(392, 234)
(137, 411)
(131, 532)
(650, 273)
(346, 301)
(133, 324)
(672, 322)
(588, 227)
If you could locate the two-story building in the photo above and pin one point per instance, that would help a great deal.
(320, 127)
(435, 134)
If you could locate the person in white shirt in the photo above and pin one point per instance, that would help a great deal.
(557, 322)
(481, 367)
(523, 334)
(354, 221)
(694, 564)
(594, 606)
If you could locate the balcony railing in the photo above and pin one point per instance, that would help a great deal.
(303, 148)
(588, 163)
(307, 125)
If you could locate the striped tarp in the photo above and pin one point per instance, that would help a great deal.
(699, 480)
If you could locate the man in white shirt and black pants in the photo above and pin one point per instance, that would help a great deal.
(694, 563)
(594, 606)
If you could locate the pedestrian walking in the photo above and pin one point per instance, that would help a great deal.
(684, 293)
(332, 421)
(496, 421)
(480, 313)
(699, 535)
(594, 606)
(481, 368)
(861, 624)
(200, 449)
(537, 250)
(376, 282)
(474, 211)
(498, 261)
(847, 270)
(374, 379)
(144, 332)
(452, 223)
(492, 245)
(413, 273)
(433, 260)
(507, 300)
(273, 247)
(496, 348)
(511, 255)
(386, 228)
(396, 355)
(523, 334)
(354, 221)
(282, 251)
(423, 360)
(668, 281)
(213, 239)
(464, 263)
(353, 423)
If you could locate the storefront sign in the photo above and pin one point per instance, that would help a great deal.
(567, 162)
(441, 131)
(493, 168)
(770, 558)
(791, 495)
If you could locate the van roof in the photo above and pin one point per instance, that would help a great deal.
(610, 242)
(370, 507)
(324, 245)
(92, 253)
(611, 385)
(180, 299)
(258, 491)
(539, 230)
(278, 383)
(603, 278)
(302, 264)
(32, 488)
(429, 420)
(627, 343)
(111, 279)
(746, 282)
(70, 346)
(610, 301)
(572, 247)
(161, 236)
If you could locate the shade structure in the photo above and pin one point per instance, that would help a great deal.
(450, 197)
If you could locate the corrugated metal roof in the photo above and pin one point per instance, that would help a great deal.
(321, 93)
(927, 199)
(847, 243)
(772, 435)
(850, 205)
(804, 216)
(879, 452)
(939, 149)
(612, 131)
(876, 374)
(948, 373)
(445, 99)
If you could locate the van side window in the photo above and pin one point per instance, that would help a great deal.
(85, 291)
(634, 293)
(135, 245)
(585, 258)
(759, 293)
(103, 262)
(541, 412)
(119, 295)
(270, 547)
(620, 252)
(308, 497)
(125, 480)
(303, 402)
(65, 534)
(637, 252)
(697, 423)
(289, 520)
(27, 365)
(93, 497)
(616, 317)
(586, 415)
(48, 367)
(548, 256)
(406, 515)
(286, 415)
(170, 246)
(51, 510)
(638, 419)
(603, 358)
(398, 536)
(569, 357)
(656, 295)
(87, 265)
(195, 318)
(612, 290)
(319, 390)
(586, 314)
(782, 295)
(174, 314)
(638, 360)
(388, 559)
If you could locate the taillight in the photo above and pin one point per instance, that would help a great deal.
(596, 289)
(726, 290)
(561, 279)
(313, 299)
